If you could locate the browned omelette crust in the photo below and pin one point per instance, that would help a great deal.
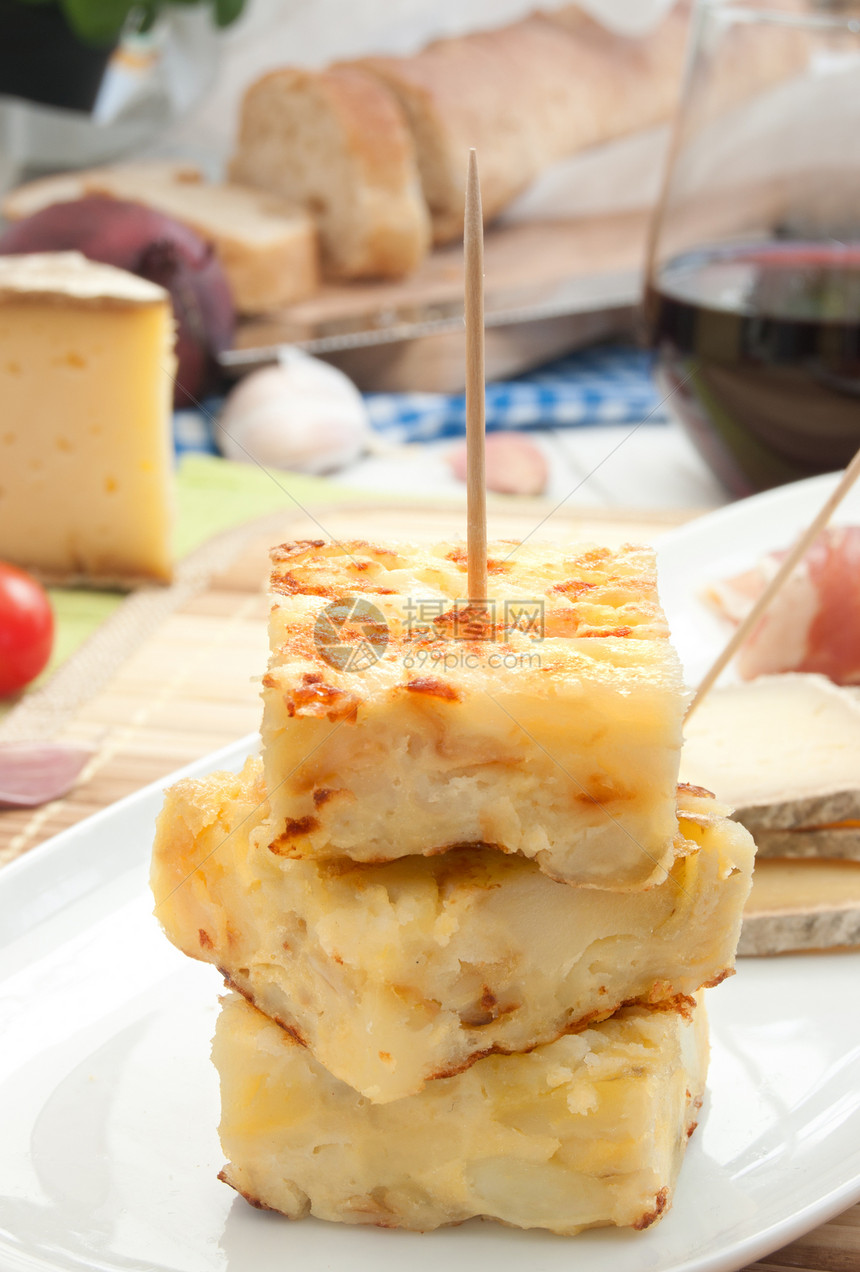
(661, 1204)
(607, 594)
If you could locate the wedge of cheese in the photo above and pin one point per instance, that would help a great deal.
(400, 720)
(781, 750)
(86, 453)
(586, 1131)
(398, 973)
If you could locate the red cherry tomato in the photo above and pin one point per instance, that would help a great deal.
(26, 629)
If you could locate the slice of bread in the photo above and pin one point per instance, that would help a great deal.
(64, 187)
(336, 142)
(524, 96)
(266, 246)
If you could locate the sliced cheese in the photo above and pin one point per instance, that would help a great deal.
(841, 840)
(783, 751)
(802, 905)
(86, 381)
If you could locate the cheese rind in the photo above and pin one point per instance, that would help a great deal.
(838, 841)
(558, 740)
(586, 1131)
(399, 973)
(86, 381)
(68, 278)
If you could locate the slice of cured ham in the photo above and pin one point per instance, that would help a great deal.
(813, 624)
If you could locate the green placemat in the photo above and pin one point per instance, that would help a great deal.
(212, 495)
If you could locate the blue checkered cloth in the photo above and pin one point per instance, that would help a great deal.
(194, 430)
(603, 385)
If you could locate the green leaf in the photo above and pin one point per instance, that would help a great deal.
(97, 21)
(145, 15)
(102, 21)
(227, 11)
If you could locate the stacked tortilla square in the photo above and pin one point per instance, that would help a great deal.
(466, 907)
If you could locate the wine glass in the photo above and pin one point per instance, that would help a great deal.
(752, 296)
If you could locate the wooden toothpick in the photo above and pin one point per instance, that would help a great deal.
(852, 472)
(476, 495)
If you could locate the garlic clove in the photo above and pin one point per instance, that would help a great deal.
(302, 415)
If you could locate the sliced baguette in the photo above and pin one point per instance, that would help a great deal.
(525, 96)
(64, 187)
(336, 143)
(266, 246)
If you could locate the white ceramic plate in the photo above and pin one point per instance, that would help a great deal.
(108, 1103)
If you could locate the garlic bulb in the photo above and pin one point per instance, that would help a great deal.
(302, 415)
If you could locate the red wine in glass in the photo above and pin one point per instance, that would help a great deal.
(759, 352)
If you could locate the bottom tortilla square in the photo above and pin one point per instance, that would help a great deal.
(586, 1131)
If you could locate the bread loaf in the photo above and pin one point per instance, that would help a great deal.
(525, 96)
(353, 147)
(266, 246)
(336, 143)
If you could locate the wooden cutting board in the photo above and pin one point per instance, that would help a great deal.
(524, 264)
(556, 284)
(175, 674)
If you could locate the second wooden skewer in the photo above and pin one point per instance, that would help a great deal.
(791, 560)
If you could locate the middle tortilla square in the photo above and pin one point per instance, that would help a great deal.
(399, 973)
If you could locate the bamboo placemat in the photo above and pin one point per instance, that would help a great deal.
(174, 674)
